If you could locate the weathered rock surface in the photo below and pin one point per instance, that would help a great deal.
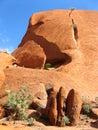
(84, 66)
(50, 112)
(5, 61)
(74, 106)
(31, 55)
(34, 114)
(61, 106)
(44, 30)
(2, 112)
(2, 78)
(33, 78)
(58, 107)
(53, 32)
(94, 113)
(2, 127)
(30, 77)
(40, 97)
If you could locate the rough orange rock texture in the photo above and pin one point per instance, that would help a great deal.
(54, 39)
(5, 61)
(74, 106)
(31, 55)
(61, 106)
(52, 114)
(14, 128)
(53, 32)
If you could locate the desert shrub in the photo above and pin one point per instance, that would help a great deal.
(18, 103)
(87, 108)
(96, 99)
(71, 10)
(66, 120)
(74, 26)
(30, 121)
(48, 65)
(83, 100)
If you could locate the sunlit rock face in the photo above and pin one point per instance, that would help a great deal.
(5, 61)
(54, 34)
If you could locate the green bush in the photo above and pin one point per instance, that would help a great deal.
(66, 120)
(48, 65)
(83, 100)
(18, 103)
(72, 9)
(30, 121)
(96, 99)
(86, 108)
(75, 26)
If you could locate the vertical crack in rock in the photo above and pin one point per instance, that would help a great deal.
(75, 32)
(74, 29)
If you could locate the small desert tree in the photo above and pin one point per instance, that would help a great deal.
(71, 10)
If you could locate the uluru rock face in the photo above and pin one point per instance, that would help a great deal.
(70, 44)
(53, 35)
(52, 27)
(52, 30)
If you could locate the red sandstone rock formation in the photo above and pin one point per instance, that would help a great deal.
(73, 106)
(5, 61)
(2, 127)
(31, 55)
(44, 30)
(53, 31)
(53, 108)
(2, 112)
(50, 112)
(61, 106)
(56, 108)
(94, 112)
(40, 97)
(2, 78)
